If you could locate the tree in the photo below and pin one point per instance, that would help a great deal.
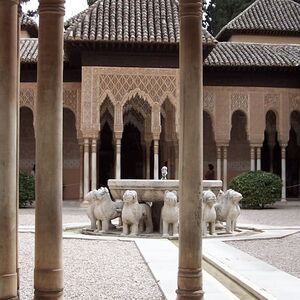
(90, 2)
(30, 13)
(221, 12)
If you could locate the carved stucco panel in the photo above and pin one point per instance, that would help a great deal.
(27, 98)
(271, 102)
(294, 103)
(239, 101)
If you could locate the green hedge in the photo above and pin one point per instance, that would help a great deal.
(26, 189)
(258, 188)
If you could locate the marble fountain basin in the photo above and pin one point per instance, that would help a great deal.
(153, 190)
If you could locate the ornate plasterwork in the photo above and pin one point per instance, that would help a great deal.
(271, 102)
(209, 102)
(27, 98)
(70, 100)
(294, 102)
(239, 101)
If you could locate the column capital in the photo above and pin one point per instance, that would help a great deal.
(283, 146)
(190, 9)
(118, 135)
(52, 7)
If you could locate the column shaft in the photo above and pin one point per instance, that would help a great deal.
(283, 173)
(94, 164)
(8, 148)
(86, 167)
(252, 158)
(48, 273)
(81, 172)
(258, 158)
(219, 162)
(156, 159)
(118, 158)
(148, 153)
(225, 168)
(191, 151)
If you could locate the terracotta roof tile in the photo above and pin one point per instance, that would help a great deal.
(279, 17)
(227, 54)
(129, 21)
(29, 50)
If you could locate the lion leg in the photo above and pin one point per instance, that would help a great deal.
(213, 228)
(141, 226)
(92, 218)
(105, 225)
(125, 229)
(134, 229)
(228, 226)
(204, 228)
(175, 229)
(165, 229)
(234, 225)
(98, 226)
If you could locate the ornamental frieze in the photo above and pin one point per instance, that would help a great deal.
(239, 101)
(271, 101)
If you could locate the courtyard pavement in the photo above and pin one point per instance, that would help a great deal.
(114, 269)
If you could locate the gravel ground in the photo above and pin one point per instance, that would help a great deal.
(281, 253)
(95, 270)
(281, 214)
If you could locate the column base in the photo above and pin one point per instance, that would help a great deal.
(9, 286)
(41, 295)
(186, 295)
(283, 200)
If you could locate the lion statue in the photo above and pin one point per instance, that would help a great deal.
(135, 215)
(170, 213)
(209, 213)
(228, 209)
(102, 209)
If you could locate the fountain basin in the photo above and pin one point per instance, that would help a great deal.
(153, 190)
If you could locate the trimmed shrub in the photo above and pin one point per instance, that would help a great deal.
(258, 188)
(26, 189)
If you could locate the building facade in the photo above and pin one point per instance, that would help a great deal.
(121, 87)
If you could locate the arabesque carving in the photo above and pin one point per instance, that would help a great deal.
(239, 101)
(27, 98)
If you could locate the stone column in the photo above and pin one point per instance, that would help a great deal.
(94, 164)
(118, 158)
(225, 168)
(191, 158)
(48, 272)
(176, 160)
(86, 167)
(283, 172)
(219, 163)
(258, 158)
(148, 154)
(252, 158)
(156, 159)
(8, 147)
(81, 172)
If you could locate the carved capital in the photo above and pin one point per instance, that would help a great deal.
(52, 7)
(192, 8)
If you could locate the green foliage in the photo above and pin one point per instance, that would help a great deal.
(221, 12)
(26, 189)
(258, 188)
(90, 2)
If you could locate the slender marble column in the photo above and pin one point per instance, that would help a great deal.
(148, 153)
(258, 158)
(118, 158)
(252, 158)
(176, 160)
(94, 164)
(219, 167)
(156, 159)
(225, 168)
(283, 172)
(190, 285)
(81, 172)
(86, 167)
(48, 272)
(8, 147)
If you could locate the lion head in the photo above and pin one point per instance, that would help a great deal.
(130, 197)
(170, 198)
(102, 194)
(91, 196)
(234, 196)
(209, 198)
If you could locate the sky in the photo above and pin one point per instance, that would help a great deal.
(73, 7)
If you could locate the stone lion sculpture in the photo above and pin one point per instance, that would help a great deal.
(135, 215)
(102, 209)
(170, 213)
(209, 214)
(228, 209)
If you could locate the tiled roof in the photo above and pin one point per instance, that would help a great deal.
(128, 21)
(29, 24)
(29, 50)
(254, 55)
(277, 17)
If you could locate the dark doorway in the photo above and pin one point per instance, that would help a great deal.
(131, 153)
(106, 156)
